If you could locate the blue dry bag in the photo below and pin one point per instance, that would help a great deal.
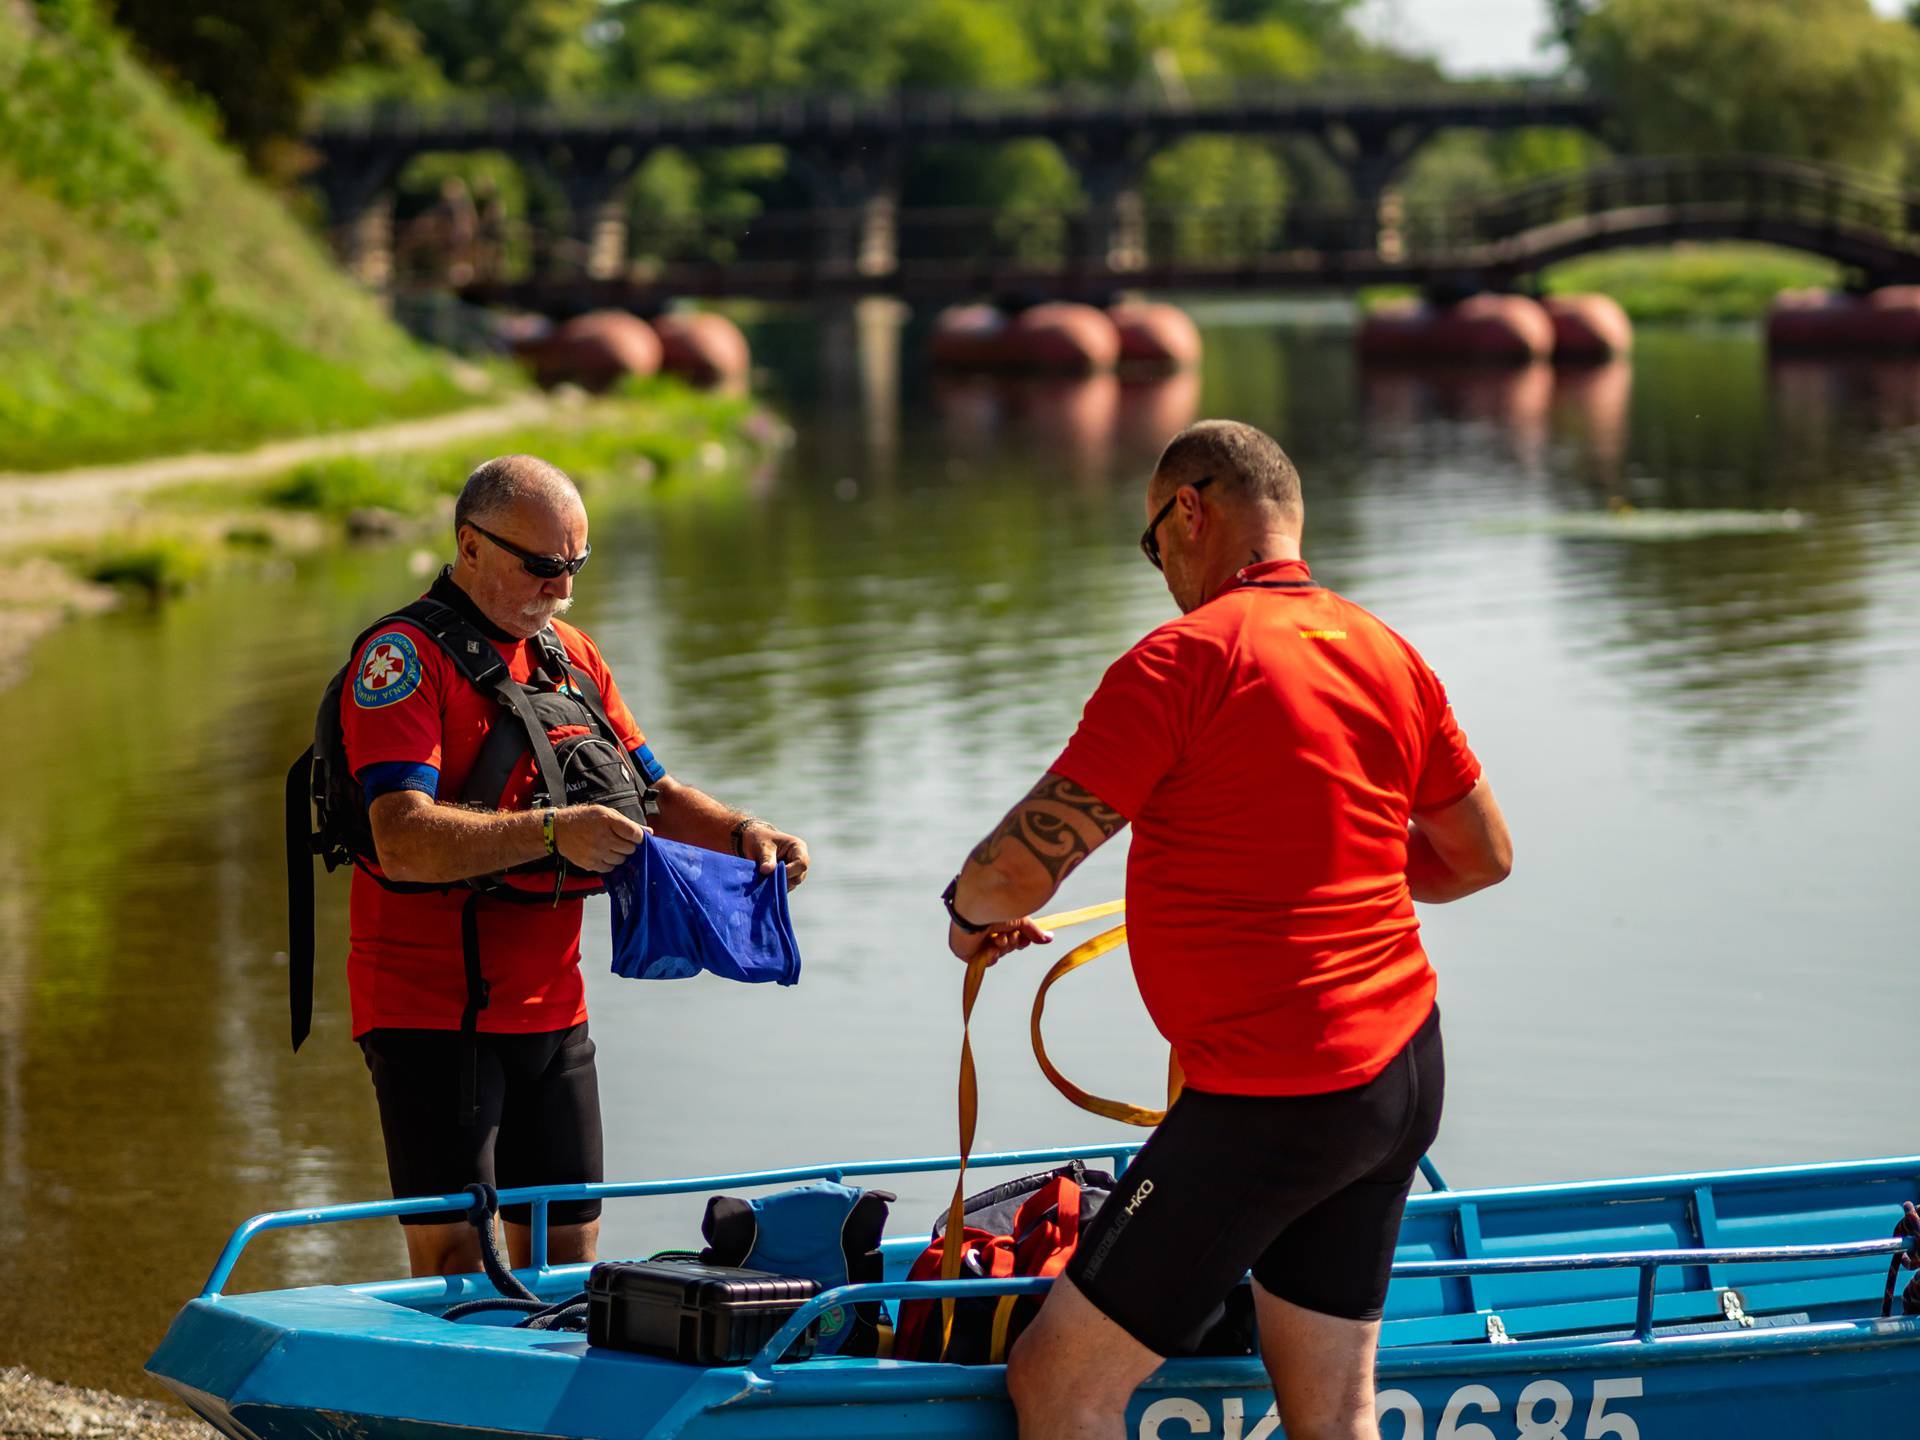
(678, 910)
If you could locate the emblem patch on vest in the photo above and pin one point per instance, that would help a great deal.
(389, 671)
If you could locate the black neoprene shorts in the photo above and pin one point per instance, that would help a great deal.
(1306, 1191)
(538, 1123)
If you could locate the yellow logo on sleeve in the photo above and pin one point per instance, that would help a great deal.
(1323, 634)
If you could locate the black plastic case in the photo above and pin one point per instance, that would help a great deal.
(697, 1314)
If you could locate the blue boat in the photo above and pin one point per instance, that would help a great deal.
(1743, 1303)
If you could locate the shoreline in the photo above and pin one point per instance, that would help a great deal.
(82, 541)
(34, 1408)
(41, 505)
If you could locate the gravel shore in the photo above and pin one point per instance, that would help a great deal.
(36, 1409)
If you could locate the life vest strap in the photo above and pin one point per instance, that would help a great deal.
(477, 997)
(299, 833)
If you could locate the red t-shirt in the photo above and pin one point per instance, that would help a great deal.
(1269, 748)
(405, 967)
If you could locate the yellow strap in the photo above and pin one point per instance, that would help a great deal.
(1112, 1109)
(1079, 917)
(969, 1114)
(970, 1085)
(1002, 1322)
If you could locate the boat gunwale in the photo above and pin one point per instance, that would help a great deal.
(541, 1196)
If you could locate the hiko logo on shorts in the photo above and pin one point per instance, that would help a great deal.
(389, 671)
(1112, 1237)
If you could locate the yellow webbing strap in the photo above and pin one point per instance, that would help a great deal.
(1111, 1109)
(970, 1088)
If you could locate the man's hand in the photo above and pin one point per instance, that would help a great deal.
(1003, 939)
(766, 847)
(594, 837)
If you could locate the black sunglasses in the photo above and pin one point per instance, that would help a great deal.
(1150, 537)
(541, 567)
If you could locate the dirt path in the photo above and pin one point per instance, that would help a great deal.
(51, 506)
(54, 504)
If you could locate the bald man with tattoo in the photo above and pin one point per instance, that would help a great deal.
(1295, 781)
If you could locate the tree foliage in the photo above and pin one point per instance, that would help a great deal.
(522, 48)
(1824, 80)
(255, 60)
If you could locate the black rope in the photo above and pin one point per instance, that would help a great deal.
(486, 1204)
(492, 1302)
(1908, 1259)
(567, 1314)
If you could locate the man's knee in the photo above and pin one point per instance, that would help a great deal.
(442, 1249)
(1074, 1362)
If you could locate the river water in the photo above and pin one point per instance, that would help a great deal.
(1705, 742)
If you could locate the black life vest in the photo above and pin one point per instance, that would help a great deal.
(561, 722)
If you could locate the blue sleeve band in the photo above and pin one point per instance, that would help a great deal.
(390, 775)
(651, 770)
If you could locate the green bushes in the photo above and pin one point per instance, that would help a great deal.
(158, 567)
(404, 484)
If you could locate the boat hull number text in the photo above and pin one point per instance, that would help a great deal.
(1544, 1410)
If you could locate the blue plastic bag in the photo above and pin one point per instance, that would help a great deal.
(678, 910)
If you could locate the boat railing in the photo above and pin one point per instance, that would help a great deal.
(759, 1370)
(541, 1197)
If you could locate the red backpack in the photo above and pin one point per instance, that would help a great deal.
(1028, 1226)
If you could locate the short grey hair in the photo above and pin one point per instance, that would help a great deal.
(1239, 457)
(503, 482)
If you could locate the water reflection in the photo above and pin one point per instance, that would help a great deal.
(1753, 643)
(1512, 403)
(1589, 413)
(1087, 424)
(1864, 393)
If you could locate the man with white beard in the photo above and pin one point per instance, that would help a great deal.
(467, 1000)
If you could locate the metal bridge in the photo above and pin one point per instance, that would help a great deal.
(849, 153)
(947, 255)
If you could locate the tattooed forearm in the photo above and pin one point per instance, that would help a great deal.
(1059, 824)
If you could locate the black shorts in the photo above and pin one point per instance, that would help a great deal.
(538, 1124)
(1306, 1191)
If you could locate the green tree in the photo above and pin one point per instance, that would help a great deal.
(256, 61)
(1213, 197)
(964, 45)
(1825, 80)
(523, 48)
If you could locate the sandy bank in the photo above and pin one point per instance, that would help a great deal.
(36, 1409)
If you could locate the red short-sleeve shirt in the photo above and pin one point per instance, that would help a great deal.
(405, 966)
(1269, 748)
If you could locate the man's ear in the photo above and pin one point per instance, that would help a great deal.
(1193, 515)
(466, 544)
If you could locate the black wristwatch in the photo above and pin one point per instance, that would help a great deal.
(946, 899)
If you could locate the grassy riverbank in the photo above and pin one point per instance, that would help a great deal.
(1681, 284)
(153, 296)
(58, 561)
(1730, 281)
